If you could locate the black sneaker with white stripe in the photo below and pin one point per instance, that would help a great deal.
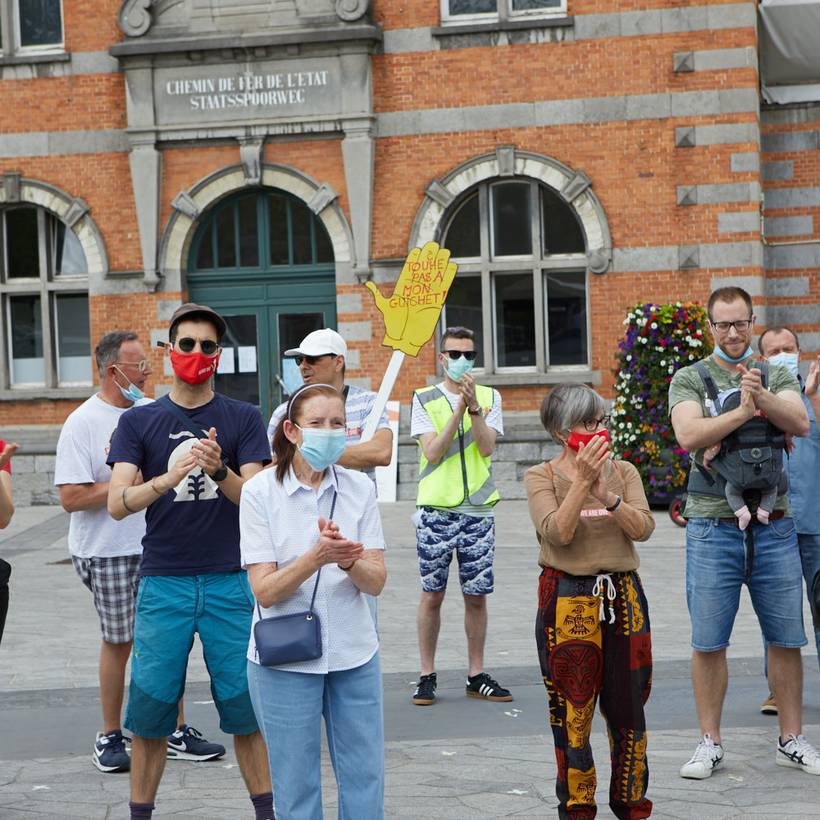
(188, 743)
(483, 686)
(109, 753)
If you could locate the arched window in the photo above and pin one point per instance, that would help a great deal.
(522, 281)
(260, 231)
(44, 287)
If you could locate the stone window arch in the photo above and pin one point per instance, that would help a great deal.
(190, 205)
(52, 257)
(527, 232)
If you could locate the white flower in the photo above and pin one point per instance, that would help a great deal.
(653, 326)
(663, 362)
(629, 357)
(620, 425)
(644, 340)
(671, 369)
(691, 356)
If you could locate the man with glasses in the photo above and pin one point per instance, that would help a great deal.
(184, 458)
(456, 423)
(721, 557)
(106, 553)
(321, 360)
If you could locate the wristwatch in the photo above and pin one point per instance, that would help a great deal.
(615, 505)
(476, 412)
(220, 475)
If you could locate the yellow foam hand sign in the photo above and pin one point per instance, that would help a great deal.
(411, 313)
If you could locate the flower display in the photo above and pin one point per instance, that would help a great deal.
(659, 340)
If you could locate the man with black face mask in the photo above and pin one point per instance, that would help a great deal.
(194, 449)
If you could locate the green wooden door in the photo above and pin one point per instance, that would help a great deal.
(264, 261)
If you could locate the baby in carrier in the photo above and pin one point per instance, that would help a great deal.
(750, 461)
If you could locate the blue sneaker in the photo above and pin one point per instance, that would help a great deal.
(188, 744)
(109, 753)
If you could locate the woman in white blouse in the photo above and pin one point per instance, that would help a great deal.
(286, 538)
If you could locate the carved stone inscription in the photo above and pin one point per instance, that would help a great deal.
(223, 93)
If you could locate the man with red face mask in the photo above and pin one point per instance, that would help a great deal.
(194, 450)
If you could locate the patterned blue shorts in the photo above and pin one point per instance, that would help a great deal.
(439, 534)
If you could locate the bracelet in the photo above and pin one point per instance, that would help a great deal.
(615, 505)
(345, 569)
(158, 492)
(125, 503)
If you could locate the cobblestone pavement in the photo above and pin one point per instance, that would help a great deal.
(461, 758)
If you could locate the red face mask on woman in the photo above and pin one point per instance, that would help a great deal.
(194, 368)
(575, 440)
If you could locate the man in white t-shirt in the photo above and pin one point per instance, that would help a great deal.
(456, 423)
(106, 553)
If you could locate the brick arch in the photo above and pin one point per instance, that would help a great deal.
(72, 211)
(574, 187)
(189, 206)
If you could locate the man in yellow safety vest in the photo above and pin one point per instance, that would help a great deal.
(456, 424)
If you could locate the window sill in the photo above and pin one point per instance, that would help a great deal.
(35, 57)
(532, 379)
(448, 29)
(50, 393)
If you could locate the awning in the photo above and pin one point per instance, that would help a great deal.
(790, 50)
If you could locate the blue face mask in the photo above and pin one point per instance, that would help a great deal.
(132, 392)
(321, 448)
(787, 360)
(456, 369)
(727, 358)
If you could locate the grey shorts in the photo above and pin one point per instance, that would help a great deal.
(113, 583)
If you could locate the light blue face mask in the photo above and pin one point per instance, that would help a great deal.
(456, 369)
(321, 448)
(132, 392)
(787, 360)
(727, 358)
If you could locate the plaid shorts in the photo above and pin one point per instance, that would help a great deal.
(113, 583)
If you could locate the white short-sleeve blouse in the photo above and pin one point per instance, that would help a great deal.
(278, 522)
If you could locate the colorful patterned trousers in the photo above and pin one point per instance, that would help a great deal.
(583, 657)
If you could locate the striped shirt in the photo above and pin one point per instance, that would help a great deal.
(358, 404)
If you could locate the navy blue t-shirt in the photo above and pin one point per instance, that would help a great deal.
(194, 528)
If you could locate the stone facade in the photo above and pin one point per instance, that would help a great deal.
(646, 121)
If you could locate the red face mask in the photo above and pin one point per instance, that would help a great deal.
(575, 440)
(194, 368)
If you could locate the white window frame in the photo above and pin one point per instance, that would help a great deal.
(10, 11)
(48, 286)
(504, 12)
(539, 264)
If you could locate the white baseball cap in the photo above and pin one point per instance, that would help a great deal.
(320, 343)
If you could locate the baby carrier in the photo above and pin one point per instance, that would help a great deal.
(750, 458)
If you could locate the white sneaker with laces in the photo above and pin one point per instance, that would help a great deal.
(798, 753)
(707, 757)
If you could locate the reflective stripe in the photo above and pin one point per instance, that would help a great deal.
(483, 493)
(452, 450)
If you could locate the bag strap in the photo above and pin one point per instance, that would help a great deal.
(318, 574)
(709, 384)
(181, 417)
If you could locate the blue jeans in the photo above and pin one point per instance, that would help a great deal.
(289, 707)
(719, 561)
(810, 558)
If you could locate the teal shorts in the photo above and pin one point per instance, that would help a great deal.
(170, 609)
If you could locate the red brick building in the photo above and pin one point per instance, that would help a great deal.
(268, 158)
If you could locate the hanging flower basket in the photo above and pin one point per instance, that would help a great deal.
(659, 340)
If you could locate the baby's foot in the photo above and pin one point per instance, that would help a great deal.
(743, 517)
(762, 515)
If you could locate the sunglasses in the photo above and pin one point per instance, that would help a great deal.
(142, 365)
(207, 346)
(457, 354)
(591, 425)
(310, 359)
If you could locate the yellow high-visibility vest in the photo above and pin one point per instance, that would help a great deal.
(463, 475)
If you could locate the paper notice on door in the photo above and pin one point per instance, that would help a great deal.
(227, 362)
(247, 359)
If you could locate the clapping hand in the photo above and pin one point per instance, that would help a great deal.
(8, 451)
(590, 461)
(813, 377)
(208, 453)
(466, 390)
(333, 548)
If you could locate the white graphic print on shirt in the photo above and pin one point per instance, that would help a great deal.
(196, 486)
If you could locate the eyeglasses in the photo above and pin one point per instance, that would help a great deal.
(741, 326)
(143, 365)
(591, 425)
(207, 346)
(310, 359)
(456, 354)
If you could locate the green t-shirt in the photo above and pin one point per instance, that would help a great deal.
(687, 385)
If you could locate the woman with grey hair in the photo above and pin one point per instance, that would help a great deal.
(592, 626)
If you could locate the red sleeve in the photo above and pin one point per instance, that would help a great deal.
(6, 467)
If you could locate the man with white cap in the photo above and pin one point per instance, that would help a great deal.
(321, 360)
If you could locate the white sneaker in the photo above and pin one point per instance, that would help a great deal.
(798, 753)
(707, 757)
